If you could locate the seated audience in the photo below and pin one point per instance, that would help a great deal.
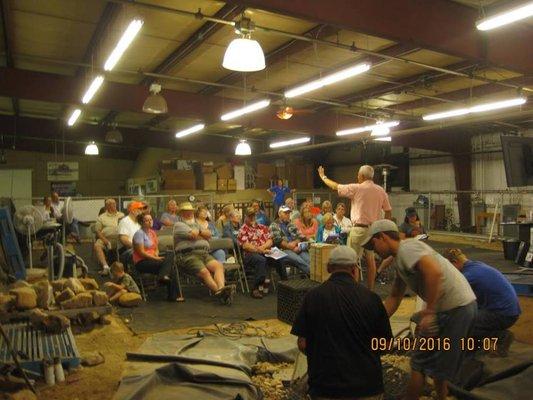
(260, 215)
(73, 229)
(126, 229)
(232, 227)
(120, 284)
(105, 228)
(336, 325)
(328, 232)
(314, 209)
(255, 241)
(192, 254)
(295, 214)
(340, 219)
(411, 226)
(146, 256)
(208, 231)
(497, 302)
(170, 216)
(46, 209)
(326, 208)
(147, 210)
(224, 216)
(307, 224)
(286, 237)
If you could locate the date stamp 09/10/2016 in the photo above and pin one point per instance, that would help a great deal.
(422, 343)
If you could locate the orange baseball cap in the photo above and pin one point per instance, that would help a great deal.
(136, 205)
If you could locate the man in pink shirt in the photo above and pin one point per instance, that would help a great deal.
(367, 201)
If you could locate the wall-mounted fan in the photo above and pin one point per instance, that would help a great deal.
(286, 112)
(27, 221)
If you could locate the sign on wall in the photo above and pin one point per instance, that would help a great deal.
(62, 171)
(64, 189)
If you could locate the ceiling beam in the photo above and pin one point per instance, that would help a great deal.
(7, 27)
(462, 94)
(280, 53)
(227, 12)
(48, 132)
(124, 97)
(443, 26)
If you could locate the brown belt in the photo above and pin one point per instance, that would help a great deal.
(360, 225)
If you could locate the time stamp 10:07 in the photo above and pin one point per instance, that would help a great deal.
(433, 344)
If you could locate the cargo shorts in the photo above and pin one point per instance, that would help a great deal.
(193, 262)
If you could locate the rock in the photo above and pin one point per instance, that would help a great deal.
(99, 298)
(81, 300)
(50, 323)
(25, 394)
(130, 300)
(7, 303)
(64, 295)
(89, 283)
(45, 294)
(105, 320)
(75, 285)
(19, 284)
(26, 298)
(59, 285)
(88, 318)
(92, 359)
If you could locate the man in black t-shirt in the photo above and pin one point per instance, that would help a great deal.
(335, 327)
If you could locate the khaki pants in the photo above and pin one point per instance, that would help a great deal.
(355, 238)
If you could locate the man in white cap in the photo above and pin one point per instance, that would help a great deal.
(450, 304)
(336, 326)
(367, 202)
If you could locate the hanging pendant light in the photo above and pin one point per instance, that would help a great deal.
(244, 54)
(243, 148)
(155, 103)
(91, 149)
(380, 129)
(114, 136)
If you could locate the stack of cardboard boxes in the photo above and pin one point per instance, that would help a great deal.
(225, 181)
(264, 174)
(177, 175)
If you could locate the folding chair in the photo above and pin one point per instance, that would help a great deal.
(236, 267)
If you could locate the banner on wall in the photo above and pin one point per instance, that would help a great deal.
(62, 171)
(64, 189)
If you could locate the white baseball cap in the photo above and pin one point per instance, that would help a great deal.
(381, 225)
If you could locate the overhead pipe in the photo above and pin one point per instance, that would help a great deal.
(352, 48)
(403, 132)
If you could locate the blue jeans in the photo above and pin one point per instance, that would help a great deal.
(219, 255)
(300, 260)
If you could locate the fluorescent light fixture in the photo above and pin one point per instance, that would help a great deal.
(91, 149)
(190, 130)
(246, 110)
(243, 148)
(507, 17)
(383, 139)
(476, 109)
(127, 37)
(289, 142)
(93, 88)
(74, 117)
(368, 128)
(244, 55)
(328, 80)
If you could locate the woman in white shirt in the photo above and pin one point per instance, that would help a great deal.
(340, 220)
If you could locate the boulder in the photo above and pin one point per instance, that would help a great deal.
(59, 284)
(45, 294)
(91, 359)
(89, 283)
(75, 285)
(99, 298)
(19, 284)
(130, 300)
(88, 318)
(7, 303)
(26, 298)
(64, 295)
(81, 300)
(49, 322)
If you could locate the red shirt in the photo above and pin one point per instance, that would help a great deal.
(256, 235)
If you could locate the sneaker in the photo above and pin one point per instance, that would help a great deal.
(105, 271)
(230, 260)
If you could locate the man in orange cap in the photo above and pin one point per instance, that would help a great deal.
(126, 229)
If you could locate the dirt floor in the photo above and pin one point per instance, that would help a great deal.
(481, 243)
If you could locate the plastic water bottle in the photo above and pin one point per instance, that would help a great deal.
(49, 376)
(58, 371)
